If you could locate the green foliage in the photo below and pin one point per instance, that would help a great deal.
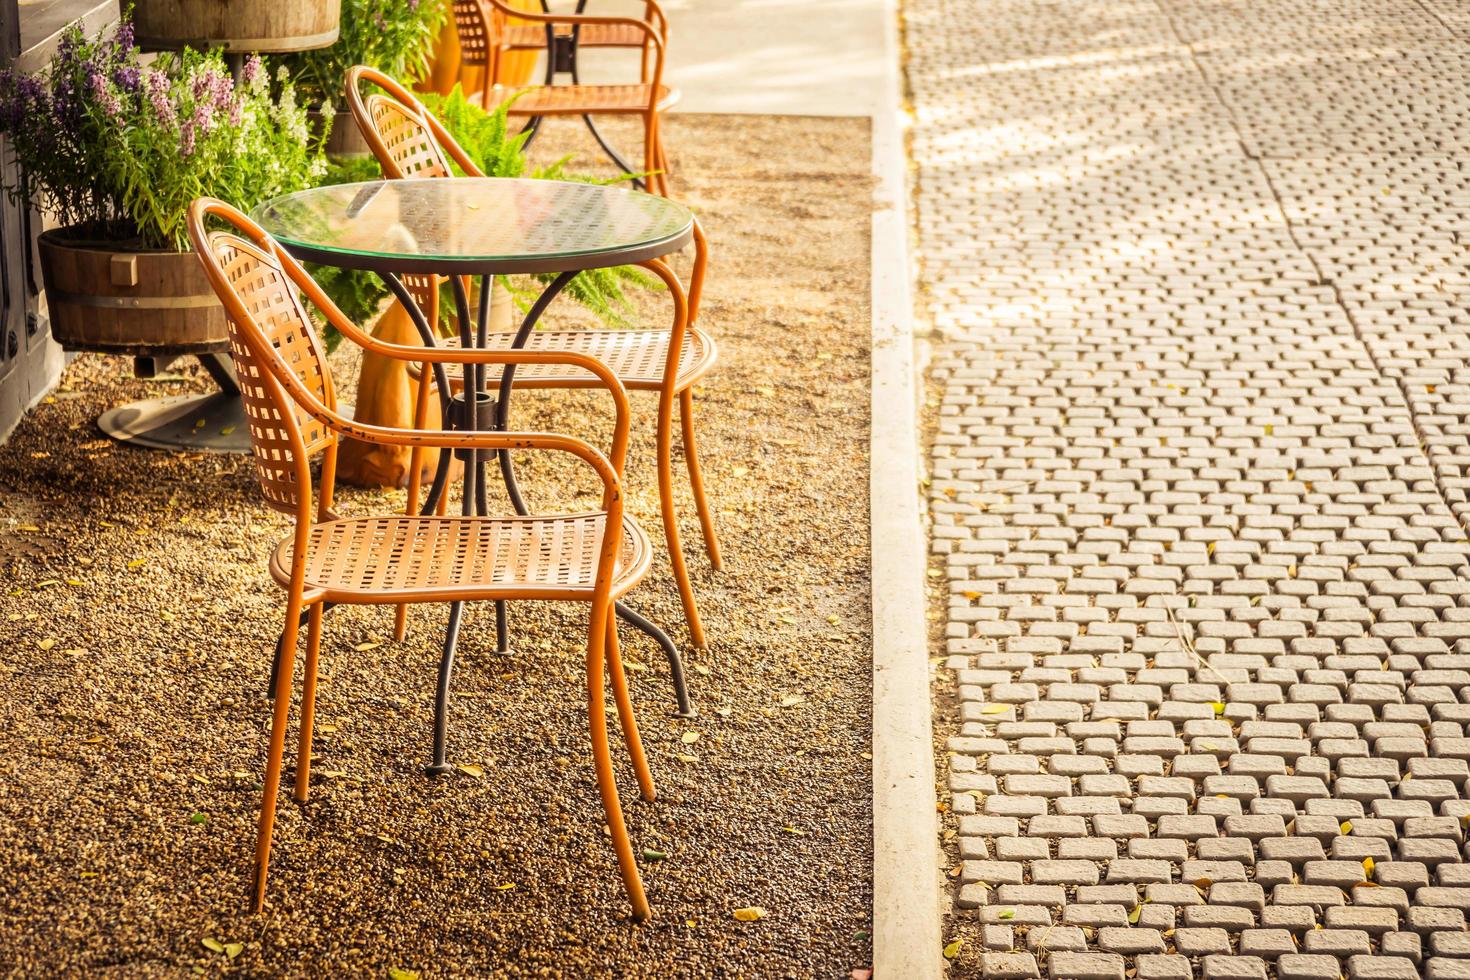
(394, 36)
(117, 150)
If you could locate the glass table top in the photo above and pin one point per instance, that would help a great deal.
(475, 225)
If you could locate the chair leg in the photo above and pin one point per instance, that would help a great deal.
(602, 761)
(650, 157)
(267, 823)
(660, 157)
(415, 462)
(671, 525)
(308, 702)
(625, 711)
(441, 699)
(696, 479)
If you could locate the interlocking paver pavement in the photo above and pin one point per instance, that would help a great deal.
(1200, 274)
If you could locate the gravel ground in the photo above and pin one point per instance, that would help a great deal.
(138, 618)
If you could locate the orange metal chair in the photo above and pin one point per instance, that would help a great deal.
(293, 417)
(409, 141)
(532, 37)
(486, 32)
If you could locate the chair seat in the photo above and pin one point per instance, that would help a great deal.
(439, 559)
(576, 100)
(637, 357)
(532, 37)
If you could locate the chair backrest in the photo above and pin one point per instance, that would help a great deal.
(271, 339)
(407, 141)
(479, 34)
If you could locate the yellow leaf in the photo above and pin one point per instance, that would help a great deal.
(793, 830)
(690, 923)
(470, 769)
(398, 973)
(46, 644)
(1219, 707)
(136, 562)
(365, 647)
(791, 700)
(1346, 827)
(1006, 914)
(87, 875)
(995, 709)
(227, 430)
(1270, 429)
(1133, 916)
(233, 950)
(953, 949)
(689, 738)
(750, 913)
(213, 945)
(1208, 746)
(687, 758)
(834, 620)
(199, 778)
(505, 887)
(1368, 866)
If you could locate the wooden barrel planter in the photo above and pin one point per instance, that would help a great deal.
(344, 139)
(237, 25)
(137, 303)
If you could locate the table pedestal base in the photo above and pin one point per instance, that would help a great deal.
(184, 423)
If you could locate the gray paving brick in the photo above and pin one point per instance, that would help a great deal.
(1200, 479)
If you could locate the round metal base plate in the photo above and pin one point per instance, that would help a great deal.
(184, 423)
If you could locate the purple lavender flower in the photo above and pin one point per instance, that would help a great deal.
(123, 40)
(252, 69)
(63, 104)
(127, 77)
(186, 137)
(222, 90)
(163, 107)
(202, 120)
(237, 112)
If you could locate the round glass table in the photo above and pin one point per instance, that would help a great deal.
(480, 226)
(475, 225)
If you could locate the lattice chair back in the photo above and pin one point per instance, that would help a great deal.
(411, 147)
(478, 31)
(270, 335)
(407, 141)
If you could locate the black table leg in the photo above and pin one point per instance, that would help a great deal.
(512, 489)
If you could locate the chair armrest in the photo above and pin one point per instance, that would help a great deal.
(455, 439)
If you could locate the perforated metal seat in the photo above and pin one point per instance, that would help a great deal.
(380, 559)
(581, 100)
(637, 357)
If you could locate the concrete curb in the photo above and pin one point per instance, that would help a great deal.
(906, 919)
